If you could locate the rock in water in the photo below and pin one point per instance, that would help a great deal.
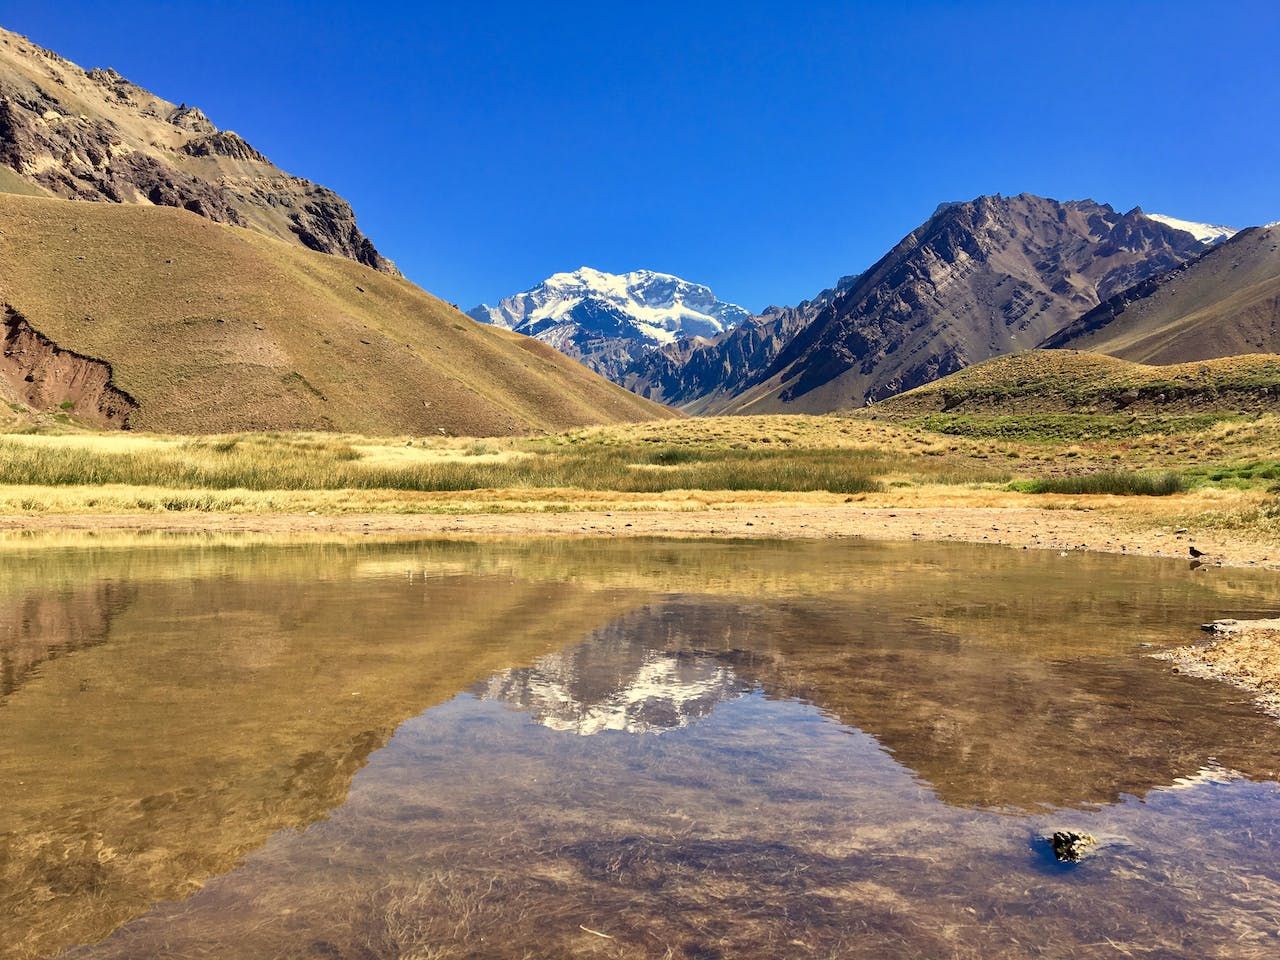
(1071, 847)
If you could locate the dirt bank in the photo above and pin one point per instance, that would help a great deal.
(1243, 652)
(1021, 527)
(45, 377)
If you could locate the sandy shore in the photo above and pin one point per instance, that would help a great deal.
(1020, 527)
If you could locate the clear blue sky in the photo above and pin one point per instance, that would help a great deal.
(764, 149)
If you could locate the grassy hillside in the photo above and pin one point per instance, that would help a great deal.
(1046, 381)
(1224, 303)
(214, 328)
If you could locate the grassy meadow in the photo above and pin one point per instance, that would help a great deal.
(1211, 469)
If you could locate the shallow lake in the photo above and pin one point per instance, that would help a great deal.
(682, 749)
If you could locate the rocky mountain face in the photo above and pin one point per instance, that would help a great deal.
(1225, 302)
(609, 321)
(981, 278)
(699, 374)
(93, 135)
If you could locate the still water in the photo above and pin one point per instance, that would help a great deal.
(624, 749)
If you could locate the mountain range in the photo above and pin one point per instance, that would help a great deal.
(981, 278)
(978, 279)
(1224, 302)
(201, 288)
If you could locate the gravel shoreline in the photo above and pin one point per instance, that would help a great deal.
(1019, 527)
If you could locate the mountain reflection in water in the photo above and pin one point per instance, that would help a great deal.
(616, 681)
(312, 751)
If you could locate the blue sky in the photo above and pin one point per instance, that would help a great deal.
(762, 148)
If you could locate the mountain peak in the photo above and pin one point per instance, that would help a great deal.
(607, 320)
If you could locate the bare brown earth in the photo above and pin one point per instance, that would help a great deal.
(39, 374)
(1100, 525)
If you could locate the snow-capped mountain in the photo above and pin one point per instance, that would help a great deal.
(608, 320)
(1206, 233)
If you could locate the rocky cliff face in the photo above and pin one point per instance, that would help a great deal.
(93, 135)
(990, 276)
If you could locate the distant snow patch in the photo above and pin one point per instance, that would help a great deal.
(1207, 233)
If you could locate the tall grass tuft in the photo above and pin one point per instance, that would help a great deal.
(1116, 482)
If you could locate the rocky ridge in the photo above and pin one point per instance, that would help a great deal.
(93, 135)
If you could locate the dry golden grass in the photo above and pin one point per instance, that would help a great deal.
(214, 328)
(791, 454)
(783, 476)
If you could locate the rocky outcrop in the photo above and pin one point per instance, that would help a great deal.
(94, 135)
(45, 377)
(223, 143)
(324, 221)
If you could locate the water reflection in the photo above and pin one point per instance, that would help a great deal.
(618, 680)
(372, 751)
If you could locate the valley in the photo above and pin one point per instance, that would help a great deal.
(611, 618)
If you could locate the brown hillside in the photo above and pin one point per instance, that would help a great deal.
(1223, 303)
(211, 328)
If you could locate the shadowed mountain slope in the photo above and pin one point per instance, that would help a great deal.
(990, 276)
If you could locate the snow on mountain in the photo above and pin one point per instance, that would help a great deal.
(1206, 233)
(606, 320)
